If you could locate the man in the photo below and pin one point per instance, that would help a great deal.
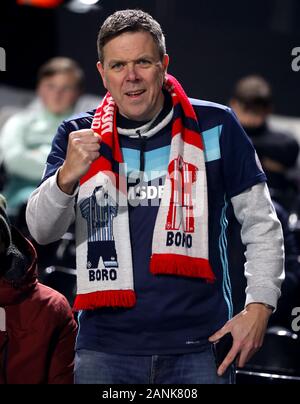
(151, 324)
(278, 151)
(25, 140)
(37, 328)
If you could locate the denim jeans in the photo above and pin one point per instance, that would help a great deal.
(194, 368)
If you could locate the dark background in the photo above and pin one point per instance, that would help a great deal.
(211, 43)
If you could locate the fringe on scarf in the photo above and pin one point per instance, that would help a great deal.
(175, 264)
(107, 298)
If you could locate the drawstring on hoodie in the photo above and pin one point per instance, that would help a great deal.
(142, 154)
(142, 150)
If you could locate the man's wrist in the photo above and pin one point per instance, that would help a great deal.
(266, 305)
(64, 184)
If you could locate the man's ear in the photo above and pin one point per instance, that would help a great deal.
(165, 62)
(101, 71)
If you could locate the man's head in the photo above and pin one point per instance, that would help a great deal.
(133, 62)
(130, 21)
(59, 84)
(252, 101)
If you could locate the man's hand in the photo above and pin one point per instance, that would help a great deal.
(248, 330)
(83, 149)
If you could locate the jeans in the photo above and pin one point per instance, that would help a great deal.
(194, 368)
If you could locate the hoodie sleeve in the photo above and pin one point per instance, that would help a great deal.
(50, 211)
(262, 235)
(61, 368)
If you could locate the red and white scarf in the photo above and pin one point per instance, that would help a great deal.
(180, 238)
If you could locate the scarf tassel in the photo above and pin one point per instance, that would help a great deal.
(174, 264)
(107, 298)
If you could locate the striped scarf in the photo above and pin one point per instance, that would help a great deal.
(180, 238)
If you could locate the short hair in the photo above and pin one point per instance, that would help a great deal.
(61, 65)
(130, 21)
(254, 92)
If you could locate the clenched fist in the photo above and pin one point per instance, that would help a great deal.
(83, 149)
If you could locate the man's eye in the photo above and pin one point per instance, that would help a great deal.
(117, 66)
(144, 62)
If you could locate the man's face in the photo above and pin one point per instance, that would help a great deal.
(133, 74)
(59, 92)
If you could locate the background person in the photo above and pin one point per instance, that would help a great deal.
(278, 151)
(37, 333)
(25, 139)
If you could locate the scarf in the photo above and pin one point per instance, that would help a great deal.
(180, 237)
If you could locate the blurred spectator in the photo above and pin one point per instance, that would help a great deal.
(290, 290)
(277, 151)
(26, 137)
(37, 328)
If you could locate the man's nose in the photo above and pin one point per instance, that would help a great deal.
(132, 72)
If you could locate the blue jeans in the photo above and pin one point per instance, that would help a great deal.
(194, 368)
